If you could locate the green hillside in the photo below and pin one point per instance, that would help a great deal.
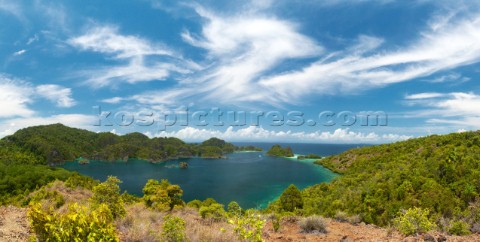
(438, 173)
(57, 143)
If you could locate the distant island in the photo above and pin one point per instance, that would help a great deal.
(248, 148)
(57, 143)
(279, 151)
(309, 156)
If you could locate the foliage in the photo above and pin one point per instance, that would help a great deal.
(459, 228)
(162, 195)
(414, 221)
(438, 173)
(79, 223)
(275, 222)
(277, 150)
(108, 193)
(17, 181)
(173, 229)
(291, 199)
(194, 204)
(234, 209)
(50, 144)
(313, 223)
(248, 227)
(214, 212)
(77, 180)
(43, 194)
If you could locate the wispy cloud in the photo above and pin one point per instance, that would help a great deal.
(131, 49)
(254, 133)
(457, 108)
(450, 46)
(20, 52)
(60, 95)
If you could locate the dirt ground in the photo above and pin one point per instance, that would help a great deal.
(346, 232)
(13, 224)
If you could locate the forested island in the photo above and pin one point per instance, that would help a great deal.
(279, 151)
(57, 143)
(414, 186)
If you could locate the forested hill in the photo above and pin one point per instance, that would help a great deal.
(58, 143)
(440, 173)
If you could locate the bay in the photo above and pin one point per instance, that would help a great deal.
(250, 178)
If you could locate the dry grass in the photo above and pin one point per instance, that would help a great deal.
(143, 224)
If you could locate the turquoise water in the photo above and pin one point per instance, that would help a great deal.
(250, 178)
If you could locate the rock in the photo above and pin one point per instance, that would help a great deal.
(346, 239)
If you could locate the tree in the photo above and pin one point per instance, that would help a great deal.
(291, 199)
(162, 195)
(108, 193)
(234, 209)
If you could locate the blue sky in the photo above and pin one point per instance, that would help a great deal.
(416, 61)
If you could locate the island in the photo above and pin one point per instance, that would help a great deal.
(309, 156)
(279, 151)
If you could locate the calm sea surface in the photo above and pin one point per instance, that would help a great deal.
(250, 178)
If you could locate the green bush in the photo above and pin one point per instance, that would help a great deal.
(413, 221)
(248, 227)
(173, 229)
(78, 224)
(291, 199)
(214, 212)
(313, 223)
(459, 228)
(162, 195)
(234, 209)
(108, 193)
(194, 204)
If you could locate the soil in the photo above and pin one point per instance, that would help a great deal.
(14, 224)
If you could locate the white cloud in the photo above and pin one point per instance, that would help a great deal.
(14, 98)
(240, 49)
(254, 133)
(246, 53)
(455, 78)
(20, 52)
(425, 95)
(132, 49)
(60, 95)
(453, 45)
(456, 109)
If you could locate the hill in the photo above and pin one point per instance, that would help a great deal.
(57, 143)
(438, 173)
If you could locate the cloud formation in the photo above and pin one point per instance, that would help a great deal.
(254, 133)
(131, 50)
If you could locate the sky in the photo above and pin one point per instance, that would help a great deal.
(331, 71)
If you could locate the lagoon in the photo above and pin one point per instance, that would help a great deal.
(250, 178)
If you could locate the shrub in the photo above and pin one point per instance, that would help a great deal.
(459, 228)
(413, 221)
(234, 209)
(77, 180)
(214, 212)
(162, 195)
(52, 197)
(173, 229)
(291, 199)
(313, 223)
(108, 193)
(79, 223)
(275, 222)
(248, 227)
(194, 204)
